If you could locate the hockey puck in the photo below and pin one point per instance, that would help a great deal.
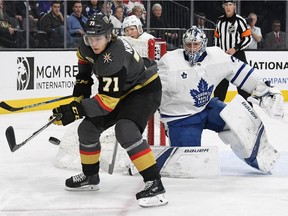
(54, 140)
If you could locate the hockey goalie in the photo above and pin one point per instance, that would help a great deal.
(189, 77)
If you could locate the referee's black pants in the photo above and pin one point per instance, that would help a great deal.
(221, 89)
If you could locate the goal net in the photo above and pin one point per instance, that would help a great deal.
(68, 153)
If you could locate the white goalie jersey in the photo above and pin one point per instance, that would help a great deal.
(193, 86)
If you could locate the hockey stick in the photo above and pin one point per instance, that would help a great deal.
(10, 134)
(105, 165)
(13, 109)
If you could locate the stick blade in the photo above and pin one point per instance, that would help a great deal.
(105, 166)
(8, 108)
(10, 136)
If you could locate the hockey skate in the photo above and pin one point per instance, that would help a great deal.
(152, 195)
(82, 182)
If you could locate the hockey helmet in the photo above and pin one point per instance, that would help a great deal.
(190, 37)
(132, 21)
(228, 1)
(98, 24)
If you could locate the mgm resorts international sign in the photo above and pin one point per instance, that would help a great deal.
(31, 75)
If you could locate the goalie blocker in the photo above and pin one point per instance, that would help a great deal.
(247, 135)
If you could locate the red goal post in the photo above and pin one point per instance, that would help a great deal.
(157, 48)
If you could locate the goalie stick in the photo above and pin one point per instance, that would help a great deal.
(104, 164)
(5, 106)
(10, 134)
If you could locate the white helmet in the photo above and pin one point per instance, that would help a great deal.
(132, 21)
(194, 34)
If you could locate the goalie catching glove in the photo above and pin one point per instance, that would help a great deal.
(70, 113)
(269, 99)
(83, 85)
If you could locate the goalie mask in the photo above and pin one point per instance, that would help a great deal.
(132, 21)
(194, 43)
(97, 25)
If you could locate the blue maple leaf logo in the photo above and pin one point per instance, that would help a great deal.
(203, 94)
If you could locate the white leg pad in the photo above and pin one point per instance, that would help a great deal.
(185, 162)
(247, 135)
(189, 162)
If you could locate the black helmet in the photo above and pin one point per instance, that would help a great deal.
(226, 1)
(98, 24)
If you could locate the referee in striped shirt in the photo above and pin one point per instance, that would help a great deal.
(232, 35)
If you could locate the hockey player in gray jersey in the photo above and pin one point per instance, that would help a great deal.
(128, 95)
(189, 77)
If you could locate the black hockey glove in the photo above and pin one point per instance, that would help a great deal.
(70, 113)
(83, 85)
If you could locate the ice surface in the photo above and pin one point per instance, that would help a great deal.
(31, 185)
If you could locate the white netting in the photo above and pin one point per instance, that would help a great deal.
(141, 46)
(151, 48)
(68, 154)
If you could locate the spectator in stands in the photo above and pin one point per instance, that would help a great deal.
(34, 16)
(16, 9)
(9, 36)
(119, 14)
(256, 31)
(93, 7)
(131, 4)
(133, 27)
(44, 7)
(157, 21)
(53, 24)
(118, 3)
(106, 10)
(36, 37)
(201, 20)
(276, 39)
(138, 12)
(76, 22)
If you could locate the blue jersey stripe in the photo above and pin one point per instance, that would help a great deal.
(244, 80)
(238, 72)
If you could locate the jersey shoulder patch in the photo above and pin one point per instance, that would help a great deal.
(112, 59)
